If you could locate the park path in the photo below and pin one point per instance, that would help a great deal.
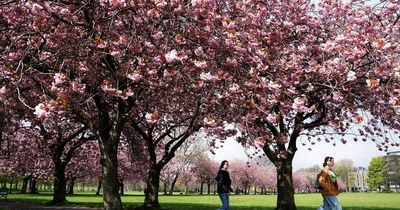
(25, 206)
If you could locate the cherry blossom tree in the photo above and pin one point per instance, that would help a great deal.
(87, 170)
(265, 178)
(301, 70)
(243, 175)
(62, 138)
(26, 156)
(187, 179)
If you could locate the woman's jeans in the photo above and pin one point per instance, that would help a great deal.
(330, 203)
(225, 201)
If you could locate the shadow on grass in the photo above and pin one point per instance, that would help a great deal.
(186, 206)
(192, 206)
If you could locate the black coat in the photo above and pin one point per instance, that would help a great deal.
(223, 182)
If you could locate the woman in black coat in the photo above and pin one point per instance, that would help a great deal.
(224, 185)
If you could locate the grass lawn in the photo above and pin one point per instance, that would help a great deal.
(349, 201)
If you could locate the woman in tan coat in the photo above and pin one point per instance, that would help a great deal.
(328, 182)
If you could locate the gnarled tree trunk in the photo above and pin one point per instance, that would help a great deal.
(109, 162)
(285, 199)
(60, 183)
(152, 187)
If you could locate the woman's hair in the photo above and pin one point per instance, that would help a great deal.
(222, 164)
(327, 161)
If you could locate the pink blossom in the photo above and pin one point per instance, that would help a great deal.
(161, 3)
(157, 36)
(234, 88)
(208, 77)
(351, 75)
(274, 85)
(125, 94)
(231, 62)
(149, 45)
(199, 52)
(209, 120)
(135, 76)
(299, 105)
(328, 46)
(35, 8)
(271, 118)
(118, 3)
(60, 78)
(153, 13)
(107, 87)
(200, 64)
(172, 56)
(43, 110)
(2, 93)
(78, 87)
(82, 67)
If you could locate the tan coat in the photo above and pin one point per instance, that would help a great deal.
(330, 187)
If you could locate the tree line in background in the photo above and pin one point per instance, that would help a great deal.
(143, 77)
(190, 172)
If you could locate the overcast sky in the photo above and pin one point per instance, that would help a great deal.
(361, 153)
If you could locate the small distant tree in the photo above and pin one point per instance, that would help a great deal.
(344, 172)
(376, 173)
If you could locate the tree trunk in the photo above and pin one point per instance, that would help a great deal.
(165, 188)
(208, 188)
(121, 187)
(109, 163)
(71, 186)
(99, 186)
(59, 185)
(214, 188)
(25, 181)
(201, 187)
(152, 187)
(16, 184)
(285, 199)
(186, 189)
(11, 183)
(32, 186)
(171, 191)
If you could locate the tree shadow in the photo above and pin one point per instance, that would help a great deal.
(193, 206)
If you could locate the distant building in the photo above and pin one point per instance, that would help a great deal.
(360, 176)
(392, 181)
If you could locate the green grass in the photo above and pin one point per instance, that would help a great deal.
(349, 201)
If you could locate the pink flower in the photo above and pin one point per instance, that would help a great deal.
(209, 120)
(299, 105)
(172, 56)
(2, 93)
(231, 62)
(207, 77)
(135, 76)
(157, 36)
(43, 110)
(351, 75)
(82, 67)
(60, 78)
(234, 88)
(78, 87)
(107, 87)
(200, 64)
